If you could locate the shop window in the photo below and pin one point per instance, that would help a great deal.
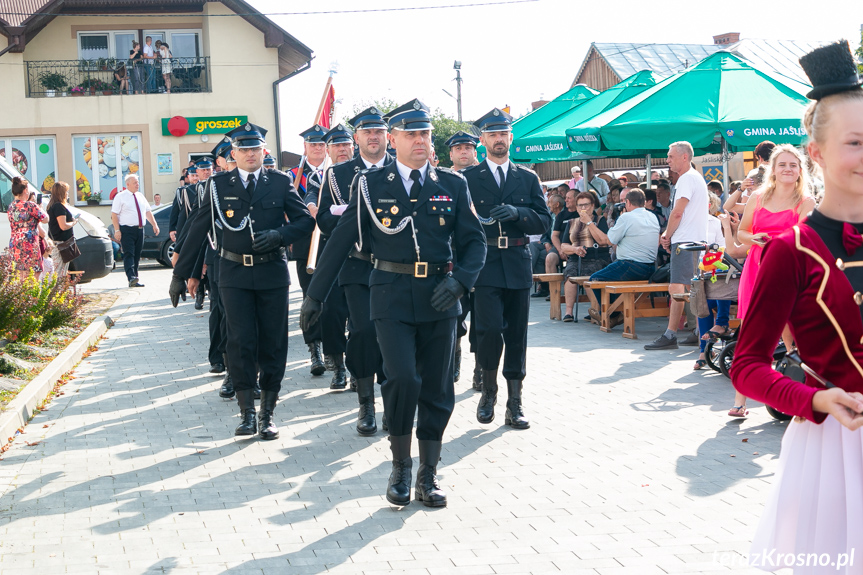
(102, 161)
(35, 158)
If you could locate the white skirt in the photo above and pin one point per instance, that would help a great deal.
(813, 519)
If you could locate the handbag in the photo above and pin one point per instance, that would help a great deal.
(69, 250)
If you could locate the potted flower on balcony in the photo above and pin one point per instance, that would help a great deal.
(77, 91)
(53, 82)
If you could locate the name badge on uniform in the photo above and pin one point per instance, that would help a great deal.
(229, 213)
(227, 198)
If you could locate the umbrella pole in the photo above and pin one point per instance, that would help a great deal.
(647, 177)
(724, 168)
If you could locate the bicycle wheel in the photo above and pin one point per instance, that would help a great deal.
(725, 358)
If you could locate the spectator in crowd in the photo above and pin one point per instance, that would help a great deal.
(614, 188)
(715, 187)
(136, 58)
(128, 212)
(24, 218)
(576, 176)
(585, 245)
(562, 189)
(149, 65)
(663, 198)
(783, 202)
(544, 191)
(594, 184)
(650, 206)
(716, 324)
(167, 67)
(737, 199)
(555, 206)
(60, 224)
(555, 256)
(121, 78)
(687, 223)
(157, 200)
(635, 236)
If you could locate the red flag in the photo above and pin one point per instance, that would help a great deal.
(326, 111)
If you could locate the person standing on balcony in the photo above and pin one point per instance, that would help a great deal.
(149, 68)
(166, 54)
(136, 57)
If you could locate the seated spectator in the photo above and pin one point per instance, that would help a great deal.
(562, 189)
(663, 198)
(555, 205)
(594, 183)
(555, 256)
(650, 206)
(636, 238)
(121, 78)
(585, 245)
(613, 198)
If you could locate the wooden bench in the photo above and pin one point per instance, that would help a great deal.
(634, 303)
(75, 279)
(554, 281)
(601, 306)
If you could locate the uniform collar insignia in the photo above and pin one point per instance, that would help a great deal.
(391, 177)
(433, 175)
(356, 168)
(233, 180)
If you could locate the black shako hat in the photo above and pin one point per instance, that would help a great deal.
(314, 135)
(411, 117)
(369, 119)
(495, 121)
(831, 69)
(462, 137)
(223, 148)
(339, 134)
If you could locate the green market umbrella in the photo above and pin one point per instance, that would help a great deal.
(570, 99)
(548, 142)
(721, 94)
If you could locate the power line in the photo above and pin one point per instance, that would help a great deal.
(309, 13)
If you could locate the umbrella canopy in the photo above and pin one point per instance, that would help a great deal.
(548, 142)
(570, 99)
(721, 94)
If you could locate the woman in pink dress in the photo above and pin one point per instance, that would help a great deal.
(781, 204)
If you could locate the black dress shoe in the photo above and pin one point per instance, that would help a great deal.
(485, 407)
(514, 416)
(366, 424)
(248, 424)
(399, 484)
(427, 489)
(340, 377)
(477, 378)
(217, 368)
(315, 350)
(199, 299)
(227, 389)
(266, 428)
(540, 294)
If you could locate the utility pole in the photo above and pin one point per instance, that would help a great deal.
(457, 67)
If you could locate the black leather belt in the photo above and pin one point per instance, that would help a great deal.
(360, 255)
(504, 242)
(416, 269)
(249, 260)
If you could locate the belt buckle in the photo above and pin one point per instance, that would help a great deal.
(248, 260)
(503, 242)
(421, 270)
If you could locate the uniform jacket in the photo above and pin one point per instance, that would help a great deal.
(308, 189)
(180, 208)
(800, 284)
(354, 271)
(274, 199)
(442, 214)
(509, 267)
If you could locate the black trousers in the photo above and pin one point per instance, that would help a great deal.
(218, 327)
(418, 364)
(249, 313)
(305, 278)
(500, 316)
(334, 317)
(132, 242)
(363, 356)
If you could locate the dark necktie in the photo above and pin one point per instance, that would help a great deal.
(500, 178)
(416, 186)
(250, 184)
(137, 207)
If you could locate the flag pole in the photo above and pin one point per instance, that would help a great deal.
(312, 261)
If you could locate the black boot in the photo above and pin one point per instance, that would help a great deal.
(266, 428)
(399, 484)
(477, 377)
(353, 384)
(340, 377)
(227, 389)
(318, 367)
(246, 400)
(199, 298)
(329, 364)
(485, 408)
(427, 489)
(366, 424)
(257, 388)
(457, 360)
(514, 416)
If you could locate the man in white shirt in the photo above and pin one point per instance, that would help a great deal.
(149, 61)
(597, 185)
(128, 212)
(686, 223)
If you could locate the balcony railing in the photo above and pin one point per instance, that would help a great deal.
(50, 78)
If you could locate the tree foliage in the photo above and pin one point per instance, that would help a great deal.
(859, 53)
(444, 126)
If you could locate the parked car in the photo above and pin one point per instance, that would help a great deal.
(159, 248)
(91, 235)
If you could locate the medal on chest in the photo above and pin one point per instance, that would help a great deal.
(229, 213)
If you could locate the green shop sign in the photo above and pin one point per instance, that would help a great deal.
(181, 126)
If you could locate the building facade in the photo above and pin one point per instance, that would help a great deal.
(65, 116)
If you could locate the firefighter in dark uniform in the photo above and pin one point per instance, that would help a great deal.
(184, 201)
(462, 154)
(509, 202)
(269, 162)
(221, 153)
(412, 212)
(308, 184)
(363, 354)
(251, 204)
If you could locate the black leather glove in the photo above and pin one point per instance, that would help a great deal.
(446, 294)
(177, 288)
(310, 312)
(267, 241)
(504, 213)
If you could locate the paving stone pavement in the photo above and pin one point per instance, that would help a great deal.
(630, 466)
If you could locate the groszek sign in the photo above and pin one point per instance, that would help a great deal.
(181, 126)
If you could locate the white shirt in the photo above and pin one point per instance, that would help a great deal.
(244, 176)
(636, 235)
(405, 173)
(148, 52)
(597, 185)
(124, 207)
(370, 165)
(693, 225)
(493, 167)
